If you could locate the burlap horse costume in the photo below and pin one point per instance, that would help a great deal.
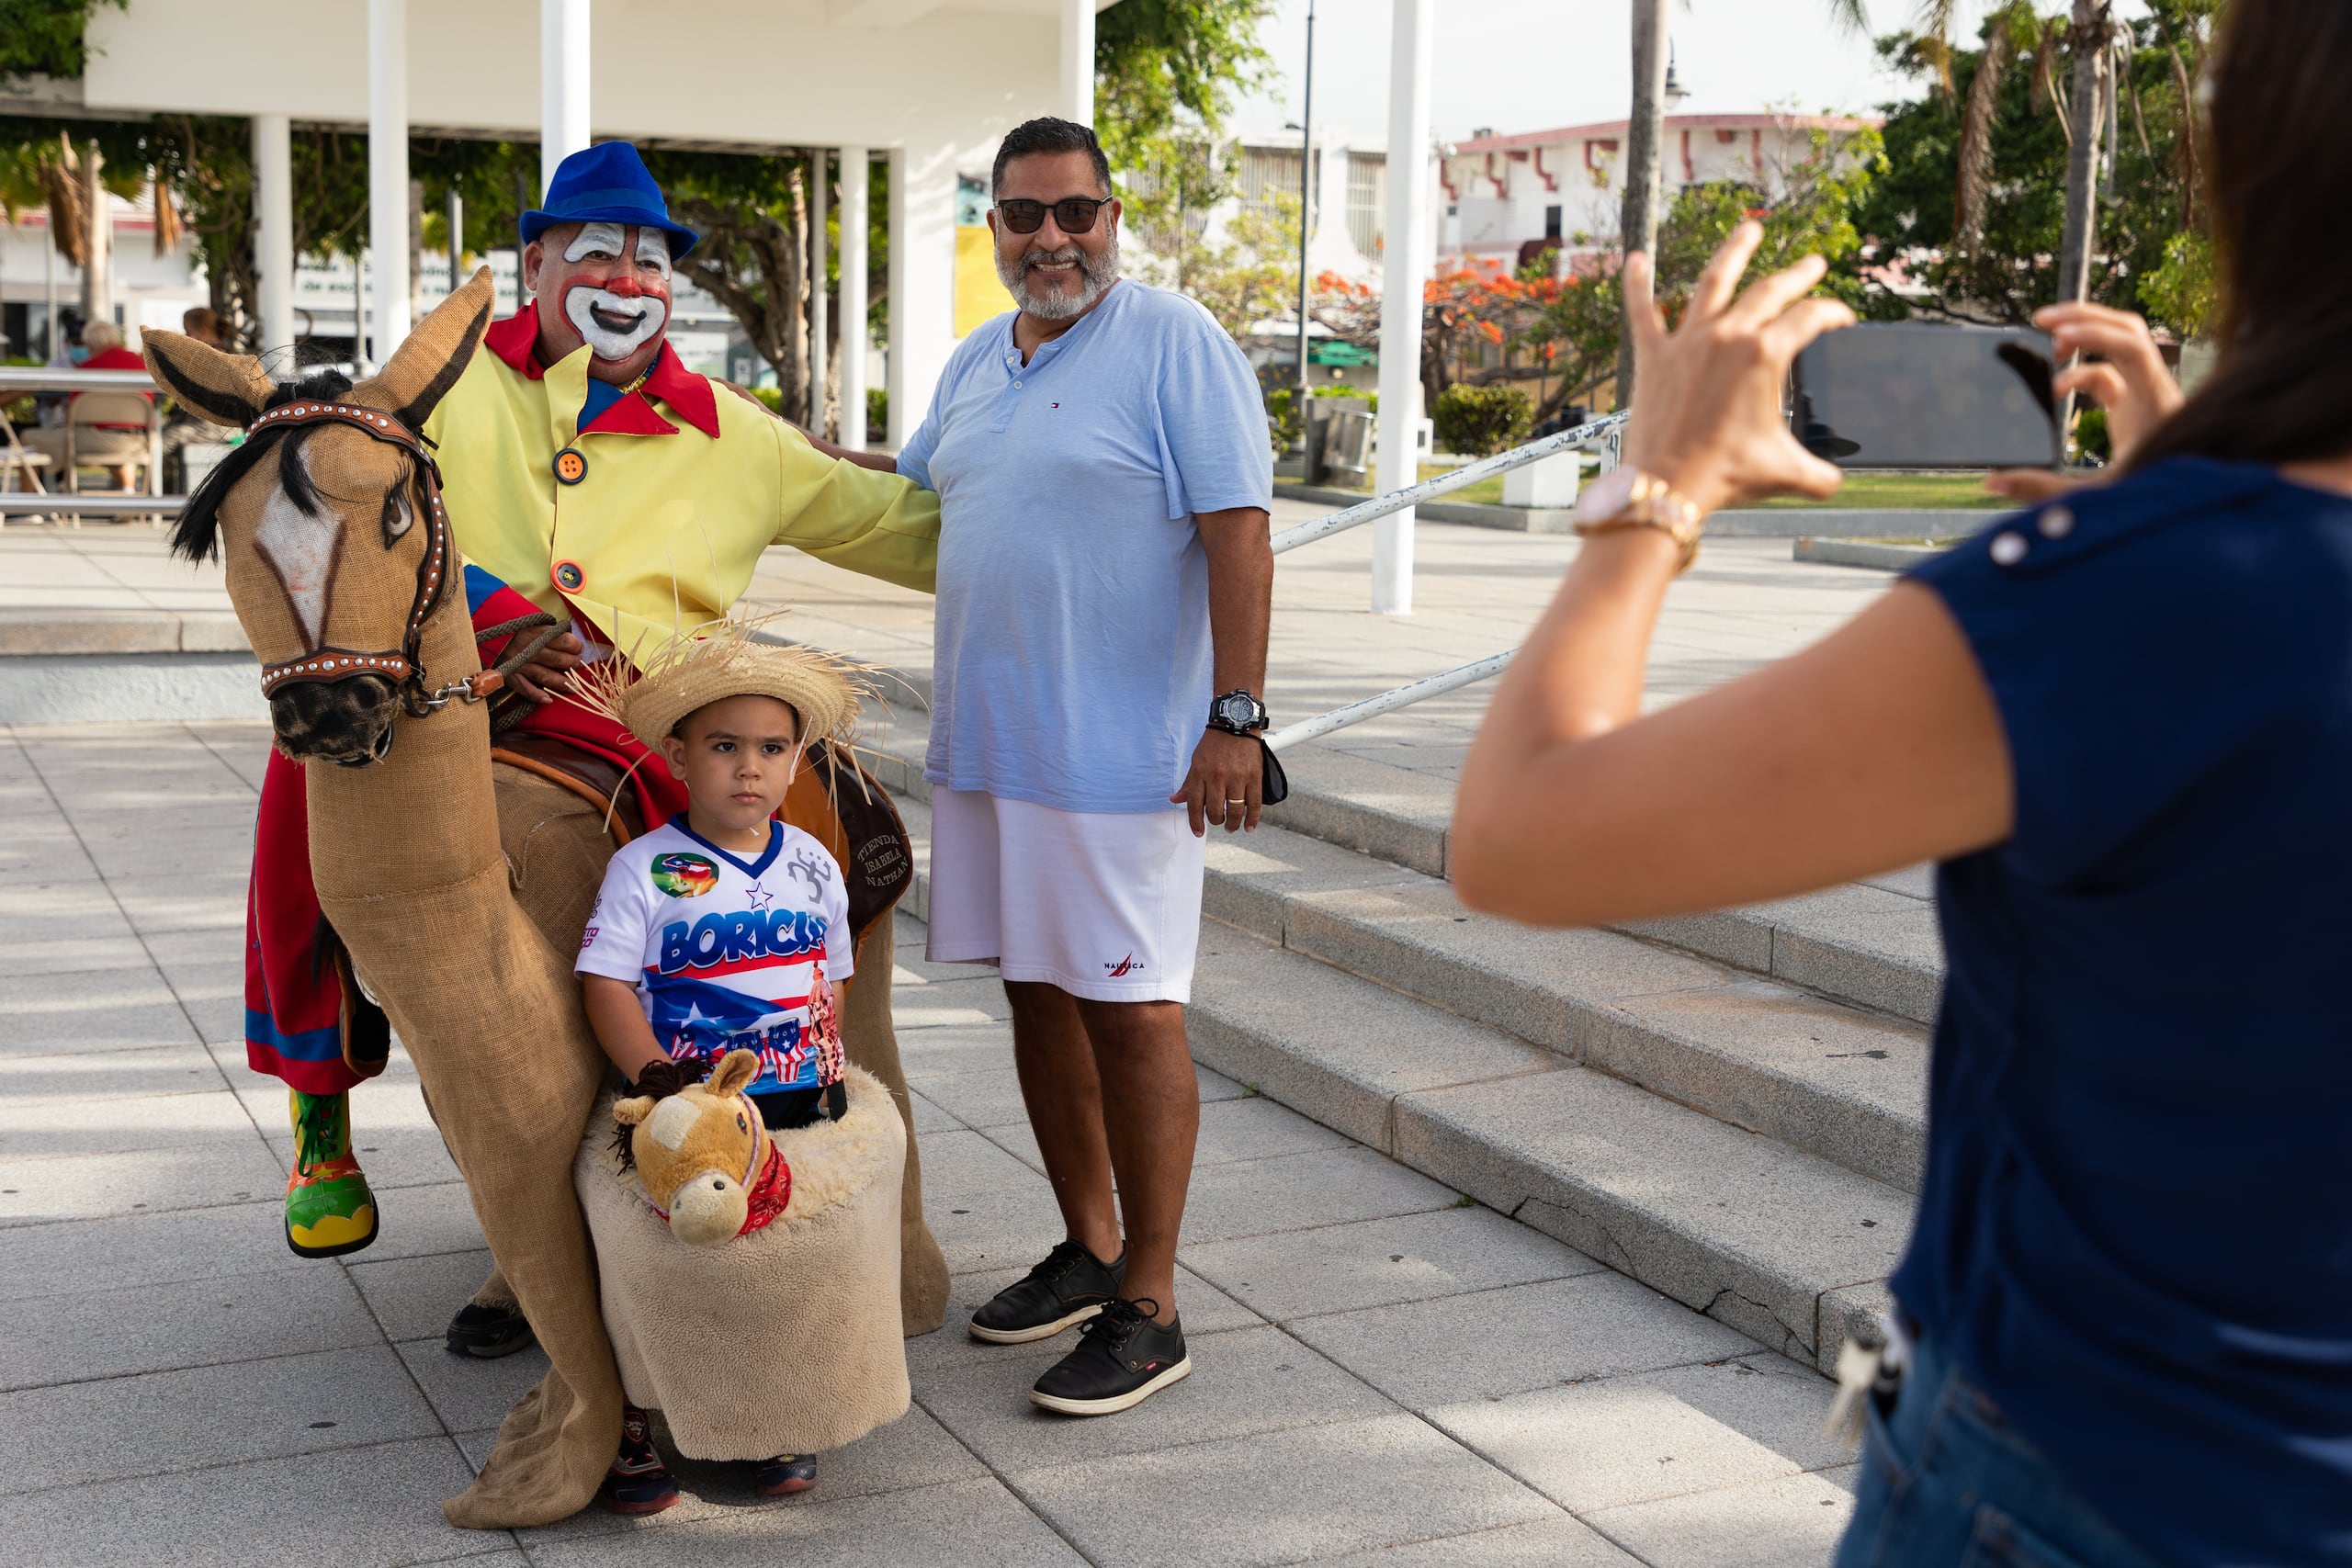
(459, 900)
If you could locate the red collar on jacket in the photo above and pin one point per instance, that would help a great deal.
(515, 340)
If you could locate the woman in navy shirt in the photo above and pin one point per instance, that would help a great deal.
(2122, 724)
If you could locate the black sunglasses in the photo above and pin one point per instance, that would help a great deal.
(1072, 214)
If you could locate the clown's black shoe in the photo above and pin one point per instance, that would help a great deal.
(488, 1332)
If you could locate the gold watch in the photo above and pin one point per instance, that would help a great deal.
(1628, 498)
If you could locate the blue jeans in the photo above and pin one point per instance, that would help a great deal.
(1947, 1483)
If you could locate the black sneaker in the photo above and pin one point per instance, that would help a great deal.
(1069, 1287)
(1122, 1359)
(488, 1331)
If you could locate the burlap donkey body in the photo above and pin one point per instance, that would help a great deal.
(422, 865)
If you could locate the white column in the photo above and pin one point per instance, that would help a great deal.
(855, 195)
(274, 232)
(922, 281)
(817, 252)
(1077, 74)
(563, 83)
(388, 209)
(1405, 263)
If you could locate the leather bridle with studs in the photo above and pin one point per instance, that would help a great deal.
(402, 667)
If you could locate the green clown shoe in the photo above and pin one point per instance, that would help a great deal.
(328, 1208)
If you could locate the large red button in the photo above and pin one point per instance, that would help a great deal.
(568, 576)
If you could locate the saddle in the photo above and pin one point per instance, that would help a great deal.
(833, 800)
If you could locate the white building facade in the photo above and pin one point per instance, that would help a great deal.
(1507, 197)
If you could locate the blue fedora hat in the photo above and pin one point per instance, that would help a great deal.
(608, 183)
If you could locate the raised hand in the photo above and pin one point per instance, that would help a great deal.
(2129, 380)
(1709, 419)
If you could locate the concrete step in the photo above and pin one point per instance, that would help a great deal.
(1786, 1246)
(1833, 1080)
(1817, 1074)
(1872, 943)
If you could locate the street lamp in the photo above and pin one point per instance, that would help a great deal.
(1305, 206)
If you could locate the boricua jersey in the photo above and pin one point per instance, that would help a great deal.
(727, 953)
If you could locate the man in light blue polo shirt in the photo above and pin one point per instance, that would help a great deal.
(1103, 473)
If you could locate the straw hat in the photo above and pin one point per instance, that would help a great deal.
(714, 663)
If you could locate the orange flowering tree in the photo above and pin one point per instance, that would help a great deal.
(1562, 331)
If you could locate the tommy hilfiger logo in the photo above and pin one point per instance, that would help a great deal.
(1125, 966)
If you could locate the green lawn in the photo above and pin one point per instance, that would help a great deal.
(1866, 491)
(1903, 492)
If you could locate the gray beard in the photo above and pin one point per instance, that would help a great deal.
(1099, 272)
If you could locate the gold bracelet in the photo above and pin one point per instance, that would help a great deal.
(1628, 498)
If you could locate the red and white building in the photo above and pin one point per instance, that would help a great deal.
(1506, 195)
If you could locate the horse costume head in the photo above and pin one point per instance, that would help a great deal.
(329, 517)
(705, 1156)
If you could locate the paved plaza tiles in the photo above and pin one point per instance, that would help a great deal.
(1386, 1373)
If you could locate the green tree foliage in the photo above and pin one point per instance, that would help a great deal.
(753, 214)
(2186, 289)
(1478, 422)
(1164, 64)
(44, 37)
(1575, 333)
(1816, 213)
(1165, 75)
(2010, 269)
(1254, 275)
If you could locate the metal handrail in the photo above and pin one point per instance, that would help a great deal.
(1388, 702)
(15, 380)
(1604, 429)
(1429, 490)
(89, 503)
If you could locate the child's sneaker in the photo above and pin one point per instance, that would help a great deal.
(328, 1208)
(784, 1474)
(638, 1481)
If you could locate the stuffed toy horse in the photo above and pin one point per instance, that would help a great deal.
(814, 1281)
(706, 1158)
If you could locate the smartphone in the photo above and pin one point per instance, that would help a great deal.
(1916, 395)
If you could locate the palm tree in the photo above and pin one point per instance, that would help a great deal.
(1637, 221)
(2089, 36)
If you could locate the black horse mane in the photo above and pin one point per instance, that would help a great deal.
(197, 535)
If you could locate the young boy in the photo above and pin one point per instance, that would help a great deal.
(724, 928)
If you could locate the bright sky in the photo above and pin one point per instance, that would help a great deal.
(1532, 64)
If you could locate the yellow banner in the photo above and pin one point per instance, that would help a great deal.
(980, 295)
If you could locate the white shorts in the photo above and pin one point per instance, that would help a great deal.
(1104, 905)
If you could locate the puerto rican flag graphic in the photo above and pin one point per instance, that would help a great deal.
(751, 1004)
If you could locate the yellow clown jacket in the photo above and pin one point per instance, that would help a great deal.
(645, 525)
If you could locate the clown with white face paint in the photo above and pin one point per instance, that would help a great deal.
(591, 476)
(617, 310)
